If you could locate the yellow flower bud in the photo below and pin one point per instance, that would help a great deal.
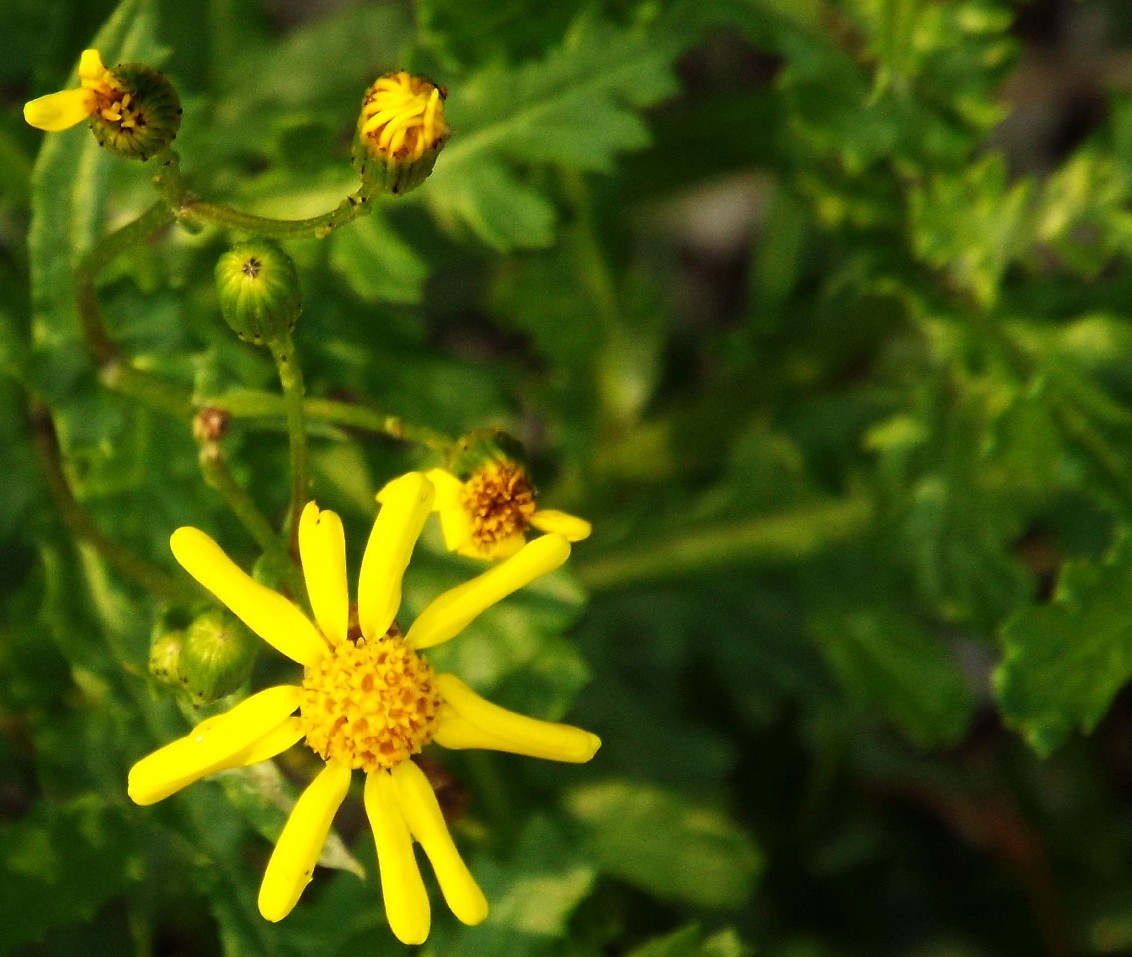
(400, 132)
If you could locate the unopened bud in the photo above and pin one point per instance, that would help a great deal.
(165, 658)
(400, 132)
(217, 656)
(258, 288)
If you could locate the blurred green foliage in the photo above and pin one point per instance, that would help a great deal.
(788, 298)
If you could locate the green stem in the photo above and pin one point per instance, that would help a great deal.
(219, 479)
(169, 182)
(794, 534)
(201, 213)
(124, 561)
(119, 376)
(216, 474)
(95, 260)
(254, 404)
(291, 379)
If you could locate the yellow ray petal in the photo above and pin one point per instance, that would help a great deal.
(426, 822)
(570, 527)
(322, 547)
(212, 745)
(274, 742)
(405, 504)
(449, 489)
(299, 846)
(406, 900)
(470, 721)
(91, 67)
(60, 111)
(271, 616)
(453, 611)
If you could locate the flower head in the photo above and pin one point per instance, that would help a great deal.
(486, 501)
(367, 701)
(133, 109)
(401, 131)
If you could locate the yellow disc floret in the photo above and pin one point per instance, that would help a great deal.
(369, 705)
(500, 500)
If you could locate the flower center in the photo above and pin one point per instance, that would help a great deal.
(113, 106)
(403, 116)
(500, 500)
(370, 704)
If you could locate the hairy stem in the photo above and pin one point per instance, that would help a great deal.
(254, 404)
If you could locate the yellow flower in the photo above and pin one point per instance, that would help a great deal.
(62, 110)
(133, 109)
(487, 516)
(368, 701)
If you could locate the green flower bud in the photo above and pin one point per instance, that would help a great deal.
(400, 132)
(217, 656)
(258, 289)
(140, 117)
(165, 658)
(474, 451)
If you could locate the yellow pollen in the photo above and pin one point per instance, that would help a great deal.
(403, 116)
(113, 105)
(500, 500)
(369, 705)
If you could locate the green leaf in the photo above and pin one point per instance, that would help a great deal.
(577, 108)
(1063, 662)
(376, 263)
(532, 896)
(667, 844)
(690, 942)
(62, 862)
(888, 659)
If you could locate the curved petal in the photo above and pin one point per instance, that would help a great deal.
(271, 616)
(59, 111)
(300, 844)
(213, 745)
(322, 547)
(453, 611)
(406, 900)
(276, 741)
(422, 813)
(570, 527)
(449, 490)
(470, 721)
(457, 529)
(405, 505)
(91, 67)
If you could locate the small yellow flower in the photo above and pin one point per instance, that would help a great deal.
(62, 110)
(487, 516)
(368, 701)
(400, 131)
(133, 109)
